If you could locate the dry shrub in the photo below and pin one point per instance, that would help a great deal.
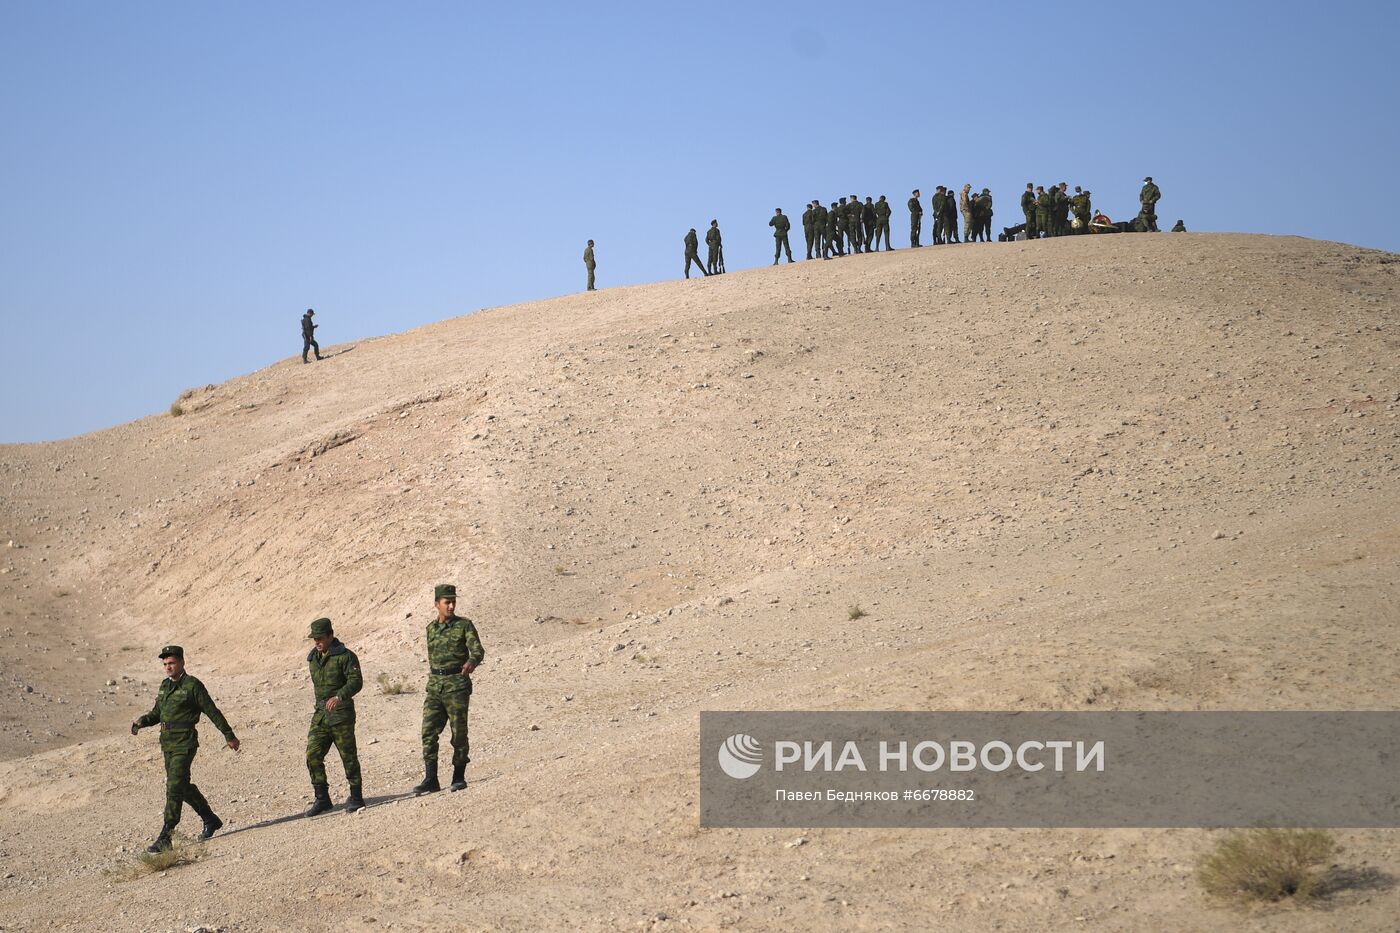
(1267, 864)
(392, 686)
(150, 863)
(177, 409)
(855, 612)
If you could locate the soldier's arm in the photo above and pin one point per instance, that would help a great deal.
(475, 653)
(149, 719)
(207, 707)
(353, 679)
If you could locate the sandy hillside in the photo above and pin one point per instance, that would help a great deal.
(1132, 472)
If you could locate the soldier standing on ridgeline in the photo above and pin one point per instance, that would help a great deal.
(856, 235)
(1179, 227)
(1043, 202)
(819, 230)
(1081, 206)
(589, 264)
(308, 338)
(985, 224)
(940, 199)
(867, 216)
(454, 651)
(882, 224)
(1062, 208)
(335, 679)
(1149, 197)
(950, 216)
(692, 253)
(916, 218)
(715, 242)
(1028, 208)
(179, 702)
(835, 221)
(781, 225)
(965, 206)
(807, 228)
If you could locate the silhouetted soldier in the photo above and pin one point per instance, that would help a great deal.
(308, 338)
(692, 253)
(715, 242)
(781, 225)
(916, 217)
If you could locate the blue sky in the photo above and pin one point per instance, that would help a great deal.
(182, 180)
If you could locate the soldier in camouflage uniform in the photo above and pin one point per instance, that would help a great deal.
(807, 229)
(940, 200)
(781, 225)
(1149, 197)
(179, 702)
(692, 253)
(1082, 207)
(823, 245)
(916, 219)
(1028, 208)
(589, 264)
(950, 216)
(454, 651)
(1062, 208)
(882, 224)
(869, 219)
(1043, 203)
(834, 226)
(335, 679)
(715, 242)
(855, 235)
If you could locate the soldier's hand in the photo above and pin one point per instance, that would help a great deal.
(233, 744)
(332, 703)
(134, 728)
(468, 667)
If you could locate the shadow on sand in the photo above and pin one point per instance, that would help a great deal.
(370, 803)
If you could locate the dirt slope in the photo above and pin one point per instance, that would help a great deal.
(1136, 472)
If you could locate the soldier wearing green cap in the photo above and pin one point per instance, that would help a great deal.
(179, 702)
(454, 651)
(335, 679)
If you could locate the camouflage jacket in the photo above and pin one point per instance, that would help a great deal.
(712, 237)
(780, 224)
(882, 209)
(692, 243)
(915, 207)
(939, 200)
(1028, 201)
(819, 218)
(307, 327)
(179, 704)
(453, 643)
(335, 674)
(588, 257)
(1151, 194)
(807, 219)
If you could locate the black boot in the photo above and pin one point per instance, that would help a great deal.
(162, 841)
(430, 783)
(212, 824)
(322, 802)
(459, 777)
(355, 801)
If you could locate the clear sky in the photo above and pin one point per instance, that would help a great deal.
(182, 180)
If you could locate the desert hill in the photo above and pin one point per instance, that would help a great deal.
(1131, 472)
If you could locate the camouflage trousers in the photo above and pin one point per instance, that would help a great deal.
(780, 245)
(1030, 224)
(695, 258)
(915, 222)
(590, 279)
(328, 729)
(179, 748)
(882, 231)
(445, 703)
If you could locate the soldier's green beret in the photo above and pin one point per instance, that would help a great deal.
(444, 591)
(172, 651)
(320, 628)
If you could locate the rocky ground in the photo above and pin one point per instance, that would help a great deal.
(1131, 472)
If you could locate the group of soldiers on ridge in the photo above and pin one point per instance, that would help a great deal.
(454, 652)
(849, 226)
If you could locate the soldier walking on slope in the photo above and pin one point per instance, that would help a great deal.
(589, 264)
(916, 217)
(179, 702)
(454, 651)
(781, 225)
(715, 242)
(308, 339)
(692, 253)
(335, 679)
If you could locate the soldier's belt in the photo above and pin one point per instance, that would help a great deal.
(445, 670)
(165, 726)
